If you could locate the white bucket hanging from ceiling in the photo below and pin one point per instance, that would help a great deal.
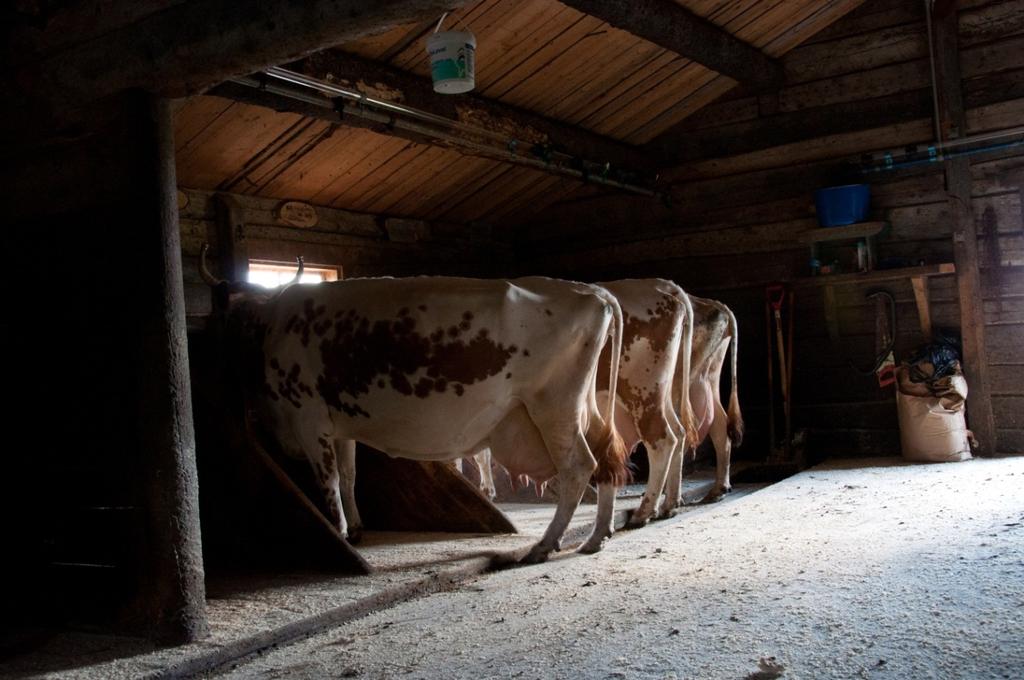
(452, 61)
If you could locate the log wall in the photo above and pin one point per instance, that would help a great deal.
(743, 193)
(360, 244)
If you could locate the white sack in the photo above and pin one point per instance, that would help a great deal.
(930, 433)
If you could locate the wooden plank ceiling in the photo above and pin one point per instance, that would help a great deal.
(534, 54)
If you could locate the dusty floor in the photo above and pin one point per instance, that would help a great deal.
(887, 571)
(251, 611)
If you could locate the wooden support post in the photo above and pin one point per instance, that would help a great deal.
(232, 238)
(952, 124)
(924, 314)
(173, 594)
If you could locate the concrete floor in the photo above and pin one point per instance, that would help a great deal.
(884, 571)
(251, 612)
(877, 570)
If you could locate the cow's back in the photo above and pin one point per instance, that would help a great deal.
(427, 366)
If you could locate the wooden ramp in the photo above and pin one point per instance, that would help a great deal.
(260, 508)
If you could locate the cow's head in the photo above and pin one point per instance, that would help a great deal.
(237, 325)
(227, 294)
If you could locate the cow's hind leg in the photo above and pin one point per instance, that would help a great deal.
(346, 458)
(659, 453)
(574, 467)
(604, 523)
(723, 454)
(673, 483)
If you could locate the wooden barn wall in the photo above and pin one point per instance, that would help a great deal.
(360, 244)
(745, 193)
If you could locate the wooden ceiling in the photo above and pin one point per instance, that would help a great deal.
(537, 55)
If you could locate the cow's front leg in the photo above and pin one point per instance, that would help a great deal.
(346, 455)
(483, 464)
(575, 466)
(325, 467)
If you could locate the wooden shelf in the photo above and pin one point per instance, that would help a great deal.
(875, 276)
(918, 278)
(849, 231)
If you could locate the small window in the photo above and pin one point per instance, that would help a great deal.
(274, 274)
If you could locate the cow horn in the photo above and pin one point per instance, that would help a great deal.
(298, 273)
(204, 272)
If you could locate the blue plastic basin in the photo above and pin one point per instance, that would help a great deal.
(842, 205)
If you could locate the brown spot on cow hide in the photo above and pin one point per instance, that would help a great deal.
(657, 330)
(309, 322)
(423, 388)
(289, 386)
(359, 354)
(548, 312)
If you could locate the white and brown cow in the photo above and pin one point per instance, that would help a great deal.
(654, 405)
(658, 327)
(714, 331)
(434, 368)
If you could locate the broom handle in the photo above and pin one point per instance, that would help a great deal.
(771, 381)
(782, 363)
(789, 374)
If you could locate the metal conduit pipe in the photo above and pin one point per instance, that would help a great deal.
(936, 153)
(357, 96)
(398, 116)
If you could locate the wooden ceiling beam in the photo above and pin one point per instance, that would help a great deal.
(191, 46)
(675, 28)
(383, 81)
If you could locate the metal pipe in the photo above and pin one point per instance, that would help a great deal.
(355, 95)
(935, 154)
(303, 80)
(391, 115)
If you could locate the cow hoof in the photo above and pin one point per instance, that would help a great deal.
(355, 535)
(712, 497)
(636, 521)
(593, 546)
(668, 513)
(537, 555)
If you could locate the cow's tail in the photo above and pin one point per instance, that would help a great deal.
(688, 417)
(734, 418)
(610, 452)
